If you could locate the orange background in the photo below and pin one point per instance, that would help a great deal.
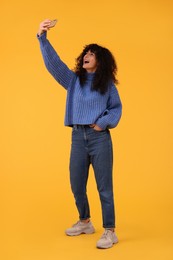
(36, 200)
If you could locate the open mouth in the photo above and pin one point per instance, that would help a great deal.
(86, 61)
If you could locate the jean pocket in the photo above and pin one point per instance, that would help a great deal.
(99, 131)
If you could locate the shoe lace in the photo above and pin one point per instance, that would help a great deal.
(106, 233)
(76, 224)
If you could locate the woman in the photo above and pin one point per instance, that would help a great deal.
(93, 107)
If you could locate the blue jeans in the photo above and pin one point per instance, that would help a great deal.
(92, 147)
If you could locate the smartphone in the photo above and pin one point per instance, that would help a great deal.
(53, 23)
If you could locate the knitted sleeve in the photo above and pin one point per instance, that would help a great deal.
(57, 68)
(112, 115)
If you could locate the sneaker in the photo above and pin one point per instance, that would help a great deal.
(107, 239)
(80, 228)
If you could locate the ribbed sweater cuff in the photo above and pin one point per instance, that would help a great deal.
(103, 125)
(42, 37)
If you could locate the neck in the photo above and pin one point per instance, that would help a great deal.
(90, 70)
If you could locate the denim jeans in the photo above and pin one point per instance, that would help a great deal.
(92, 147)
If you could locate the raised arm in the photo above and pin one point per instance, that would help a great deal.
(54, 64)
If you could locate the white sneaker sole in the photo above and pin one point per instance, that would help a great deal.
(107, 246)
(79, 232)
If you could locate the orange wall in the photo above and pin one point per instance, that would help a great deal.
(34, 144)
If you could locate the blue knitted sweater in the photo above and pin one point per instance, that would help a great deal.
(83, 105)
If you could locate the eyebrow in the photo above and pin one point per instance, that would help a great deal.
(90, 51)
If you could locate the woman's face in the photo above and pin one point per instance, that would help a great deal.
(90, 62)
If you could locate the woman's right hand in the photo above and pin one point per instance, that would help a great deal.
(44, 26)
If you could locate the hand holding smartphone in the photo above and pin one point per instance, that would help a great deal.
(46, 25)
(52, 23)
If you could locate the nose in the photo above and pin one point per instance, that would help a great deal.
(86, 55)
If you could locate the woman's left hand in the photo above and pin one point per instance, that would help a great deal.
(96, 127)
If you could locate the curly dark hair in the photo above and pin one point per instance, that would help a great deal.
(106, 68)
